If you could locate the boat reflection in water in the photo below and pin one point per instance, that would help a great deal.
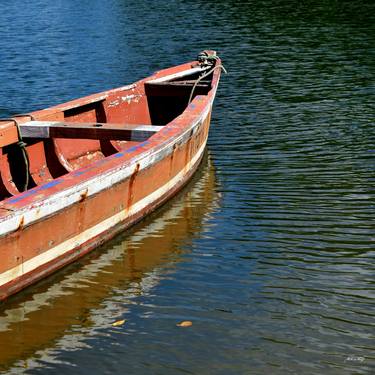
(66, 309)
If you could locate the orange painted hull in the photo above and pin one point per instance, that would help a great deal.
(81, 192)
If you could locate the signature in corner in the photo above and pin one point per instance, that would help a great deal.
(354, 358)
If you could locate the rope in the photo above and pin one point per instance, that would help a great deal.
(22, 145)
(205, 75)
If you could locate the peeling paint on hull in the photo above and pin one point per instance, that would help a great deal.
(56, 222)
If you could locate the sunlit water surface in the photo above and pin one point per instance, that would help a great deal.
(269, 252)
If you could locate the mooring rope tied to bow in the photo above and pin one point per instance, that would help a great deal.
(206, 59)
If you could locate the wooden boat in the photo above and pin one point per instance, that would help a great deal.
(74, 175)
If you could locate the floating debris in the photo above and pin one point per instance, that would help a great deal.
(118, 323)
(185, 323)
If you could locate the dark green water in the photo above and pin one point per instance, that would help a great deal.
(270, 250)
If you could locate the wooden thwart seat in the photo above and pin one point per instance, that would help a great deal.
(177, 88)
(98, 131)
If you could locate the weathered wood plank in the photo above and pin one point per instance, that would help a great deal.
(8, 133)
(177, 88)
(101, 131)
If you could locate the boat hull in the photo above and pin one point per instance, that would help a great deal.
(87, 190)
(74, 231)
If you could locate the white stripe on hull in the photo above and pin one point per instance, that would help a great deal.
(102, 227)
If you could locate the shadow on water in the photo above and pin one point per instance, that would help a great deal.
(85, 299)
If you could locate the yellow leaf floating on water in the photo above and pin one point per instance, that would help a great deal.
(118, 323)
(185, 323)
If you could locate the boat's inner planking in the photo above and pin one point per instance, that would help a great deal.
(73, 135)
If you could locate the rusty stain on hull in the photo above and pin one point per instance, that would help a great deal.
(81, 192)
(131, 186)
(20, 225)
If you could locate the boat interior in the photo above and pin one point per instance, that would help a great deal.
(38, 147)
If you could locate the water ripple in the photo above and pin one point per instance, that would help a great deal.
(270, 256)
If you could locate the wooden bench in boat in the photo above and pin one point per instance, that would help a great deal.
(47, 157)
(98, 131)
(177, 88)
